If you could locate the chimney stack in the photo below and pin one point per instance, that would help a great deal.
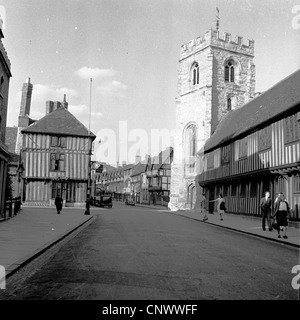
(138, 159)
(26, 98)
(53, 105)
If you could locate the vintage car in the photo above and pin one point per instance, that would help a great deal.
(105, 200)
(130, 201)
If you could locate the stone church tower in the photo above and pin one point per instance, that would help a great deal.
(216, 75)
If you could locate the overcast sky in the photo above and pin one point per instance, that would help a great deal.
(131, 49)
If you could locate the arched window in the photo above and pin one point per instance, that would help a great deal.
(190, 148)
(229, 71)
(229, 104)
(195, 74)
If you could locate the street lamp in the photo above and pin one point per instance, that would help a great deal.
(99, 167)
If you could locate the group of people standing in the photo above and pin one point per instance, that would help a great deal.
(278, 220)
(220, 206)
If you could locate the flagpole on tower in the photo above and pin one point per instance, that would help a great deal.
(218, 19)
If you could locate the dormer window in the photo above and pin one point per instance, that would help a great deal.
(195, 74)
(229, 71)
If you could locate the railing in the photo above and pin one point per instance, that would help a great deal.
(13, 206)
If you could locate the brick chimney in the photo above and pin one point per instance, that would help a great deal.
(26, 98)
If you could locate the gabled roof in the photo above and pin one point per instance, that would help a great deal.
(156, 162)
(282, 97)
(138, 169)
(60, 121)
(128, 166)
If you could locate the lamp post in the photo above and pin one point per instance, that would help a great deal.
(97, 166)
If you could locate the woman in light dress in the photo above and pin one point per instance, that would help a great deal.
(220, 206)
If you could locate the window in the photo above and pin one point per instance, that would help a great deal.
(225, 190)
(190, 148)
(195, 74)
(225, 155)
(297, 184)
(243, 146)
(210, 160)
(57, 162)
(58, 188)
(58, 141)
(243, 190)
(253, 189)
(229, 71)
(229, 104)
(265, 138)
(291, 128)
(233, 190)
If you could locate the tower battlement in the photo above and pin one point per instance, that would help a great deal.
(213, 38)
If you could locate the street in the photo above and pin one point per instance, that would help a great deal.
(136, 253)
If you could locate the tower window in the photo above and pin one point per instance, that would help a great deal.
(190, 148)
(229, 104)
(195, 74)
(229, 71)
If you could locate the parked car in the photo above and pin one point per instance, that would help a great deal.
(105, 200)
(130, 202)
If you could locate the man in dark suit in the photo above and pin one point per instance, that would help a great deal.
(265, 206)
(58, 203)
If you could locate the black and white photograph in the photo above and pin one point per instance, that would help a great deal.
(149, 153)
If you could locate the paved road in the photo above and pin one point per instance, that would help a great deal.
(139, 253)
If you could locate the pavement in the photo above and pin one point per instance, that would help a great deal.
(246, 224)
(33, 231)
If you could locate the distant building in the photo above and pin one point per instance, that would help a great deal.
(141, 180)
(156, 183)
(137, 181)
(5, 75)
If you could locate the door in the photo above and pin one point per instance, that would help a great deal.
(211, 197)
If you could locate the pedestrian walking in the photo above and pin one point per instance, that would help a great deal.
(58, 203)
(265, 205)
(203, 209)
(220, 206)
(281, 214)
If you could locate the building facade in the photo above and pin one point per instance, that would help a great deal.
(158, 174)
(5, 75)
(256, 149)
(56, 154)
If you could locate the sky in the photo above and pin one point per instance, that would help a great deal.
(131, 48)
